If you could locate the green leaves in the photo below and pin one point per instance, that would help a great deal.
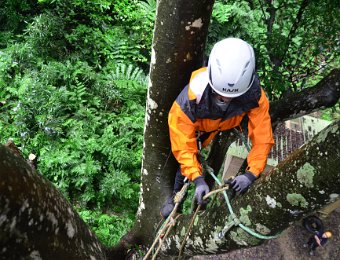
(108, 227)
(72, 93)
(91, 153)
(295, 42)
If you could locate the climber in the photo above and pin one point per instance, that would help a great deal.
(216, 99)
(319, 239)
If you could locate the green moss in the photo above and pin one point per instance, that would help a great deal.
(241, 237)
(305, 175)
(238, 238)
(297, 200)
(323, 134)
(262, 229)
(244, 215)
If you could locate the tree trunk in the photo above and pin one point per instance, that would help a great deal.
(302, 184)
(36, 222)
(179, 41)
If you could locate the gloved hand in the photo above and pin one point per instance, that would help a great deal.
(242, 182)
(201, 189)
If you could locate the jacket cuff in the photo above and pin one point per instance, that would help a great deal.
(195, 175)
(252, 177)
(254, 171)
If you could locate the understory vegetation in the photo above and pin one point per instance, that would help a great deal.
(73, 86)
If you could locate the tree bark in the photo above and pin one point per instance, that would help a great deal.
(325, 93)
(178, 45)
(302, 184)
(36, 222)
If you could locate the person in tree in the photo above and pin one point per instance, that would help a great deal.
(319, 239)
(217, 98)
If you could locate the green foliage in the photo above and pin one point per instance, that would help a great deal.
(108, 227)
(14, 15)
(331, 114)
(295, 41)
(93, 155)
(101, 31)
(71, 93)
(138, 18)
(89, 142)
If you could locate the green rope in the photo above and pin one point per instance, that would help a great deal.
(235, 220)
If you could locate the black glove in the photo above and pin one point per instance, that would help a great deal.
(201, 189)
(242, 182)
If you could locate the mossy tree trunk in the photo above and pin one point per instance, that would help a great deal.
(303, 183)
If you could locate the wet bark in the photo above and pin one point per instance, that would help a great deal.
(36, 221)
(303, 183)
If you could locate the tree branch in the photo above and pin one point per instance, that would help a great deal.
(298, 186)
(295, 25)
(324, 94)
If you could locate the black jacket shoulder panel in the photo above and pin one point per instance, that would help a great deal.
(206, 110)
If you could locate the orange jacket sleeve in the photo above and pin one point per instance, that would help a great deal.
(261, 135)
(183, 142)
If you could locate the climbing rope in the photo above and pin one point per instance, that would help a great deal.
(194, 217)
(170, 221)
(235, 221)
(167, 225)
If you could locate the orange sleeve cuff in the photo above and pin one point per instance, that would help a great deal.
(194, 176)
(254, 171)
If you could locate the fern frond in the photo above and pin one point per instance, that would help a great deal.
(128, 73)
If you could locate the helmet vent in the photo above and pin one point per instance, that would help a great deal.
(219, 65)
(245, 68)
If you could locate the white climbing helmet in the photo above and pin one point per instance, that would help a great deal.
(231, 67)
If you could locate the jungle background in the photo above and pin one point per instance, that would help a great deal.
(73, 84)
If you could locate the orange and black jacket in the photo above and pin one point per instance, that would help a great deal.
(194, 112)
